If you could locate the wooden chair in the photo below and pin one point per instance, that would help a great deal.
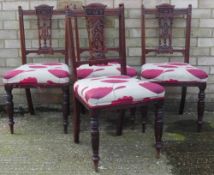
(180, 74)
(115, 92)
(38, 75)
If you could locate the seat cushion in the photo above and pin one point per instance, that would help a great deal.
(110, 69)
(172, 72)
(116, 90)
(36, 74)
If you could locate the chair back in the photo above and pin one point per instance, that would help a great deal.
(165, 16)
(95, 51)
(42, 16)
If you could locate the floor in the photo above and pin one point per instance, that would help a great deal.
(39, 147)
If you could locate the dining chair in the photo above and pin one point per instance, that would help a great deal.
(106, 93)
(180, 74)
(51, 74)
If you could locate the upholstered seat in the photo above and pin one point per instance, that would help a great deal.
(116, 90)
(35, 74)
(172, 72)
(110, 69)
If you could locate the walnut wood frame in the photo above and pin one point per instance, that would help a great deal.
(168, 12)
(74, 55)
(45, 13)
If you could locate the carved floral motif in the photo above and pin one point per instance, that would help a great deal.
(95, 27)
(165, 18)
(44, 15)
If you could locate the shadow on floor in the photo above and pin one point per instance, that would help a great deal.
(190, 152)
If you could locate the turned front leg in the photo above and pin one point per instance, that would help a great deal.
(158, 126)
(9, 107)
(65, 108)
(95, 138)
(201, 102)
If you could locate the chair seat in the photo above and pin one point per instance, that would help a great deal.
(36, 74)
(110, 69)
(116, 90)
(172, 72)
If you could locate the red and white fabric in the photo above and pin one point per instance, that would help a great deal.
(172, 72)
(116, 90)
(38, 73)
(110, 69)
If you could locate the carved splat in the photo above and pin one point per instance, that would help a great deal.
(165, 19)
(44, 15)
(95, 27)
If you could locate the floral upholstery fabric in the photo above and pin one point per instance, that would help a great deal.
(110, 69)
(172, 72)
(38, 73)
(116, 90)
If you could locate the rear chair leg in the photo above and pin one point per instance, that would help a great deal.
(95, 138)
(65, 108)
(76, 119)
(144, 111)
(82, 109)
(69, 100)
(9, 107)
(133, 117)
(201, 103)
(120, 122)
(158, 126)
(29, 101)
(183, 99)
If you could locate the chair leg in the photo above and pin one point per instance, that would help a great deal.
(158, 126)
(144, 111)
(201, 103)
(9, 107)
(133, 117)
(69, 101)
(82, 109)
(29, 101)
(65, 108)
(183, 99)
(95, 138)
(76, 119)
(120, 122)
